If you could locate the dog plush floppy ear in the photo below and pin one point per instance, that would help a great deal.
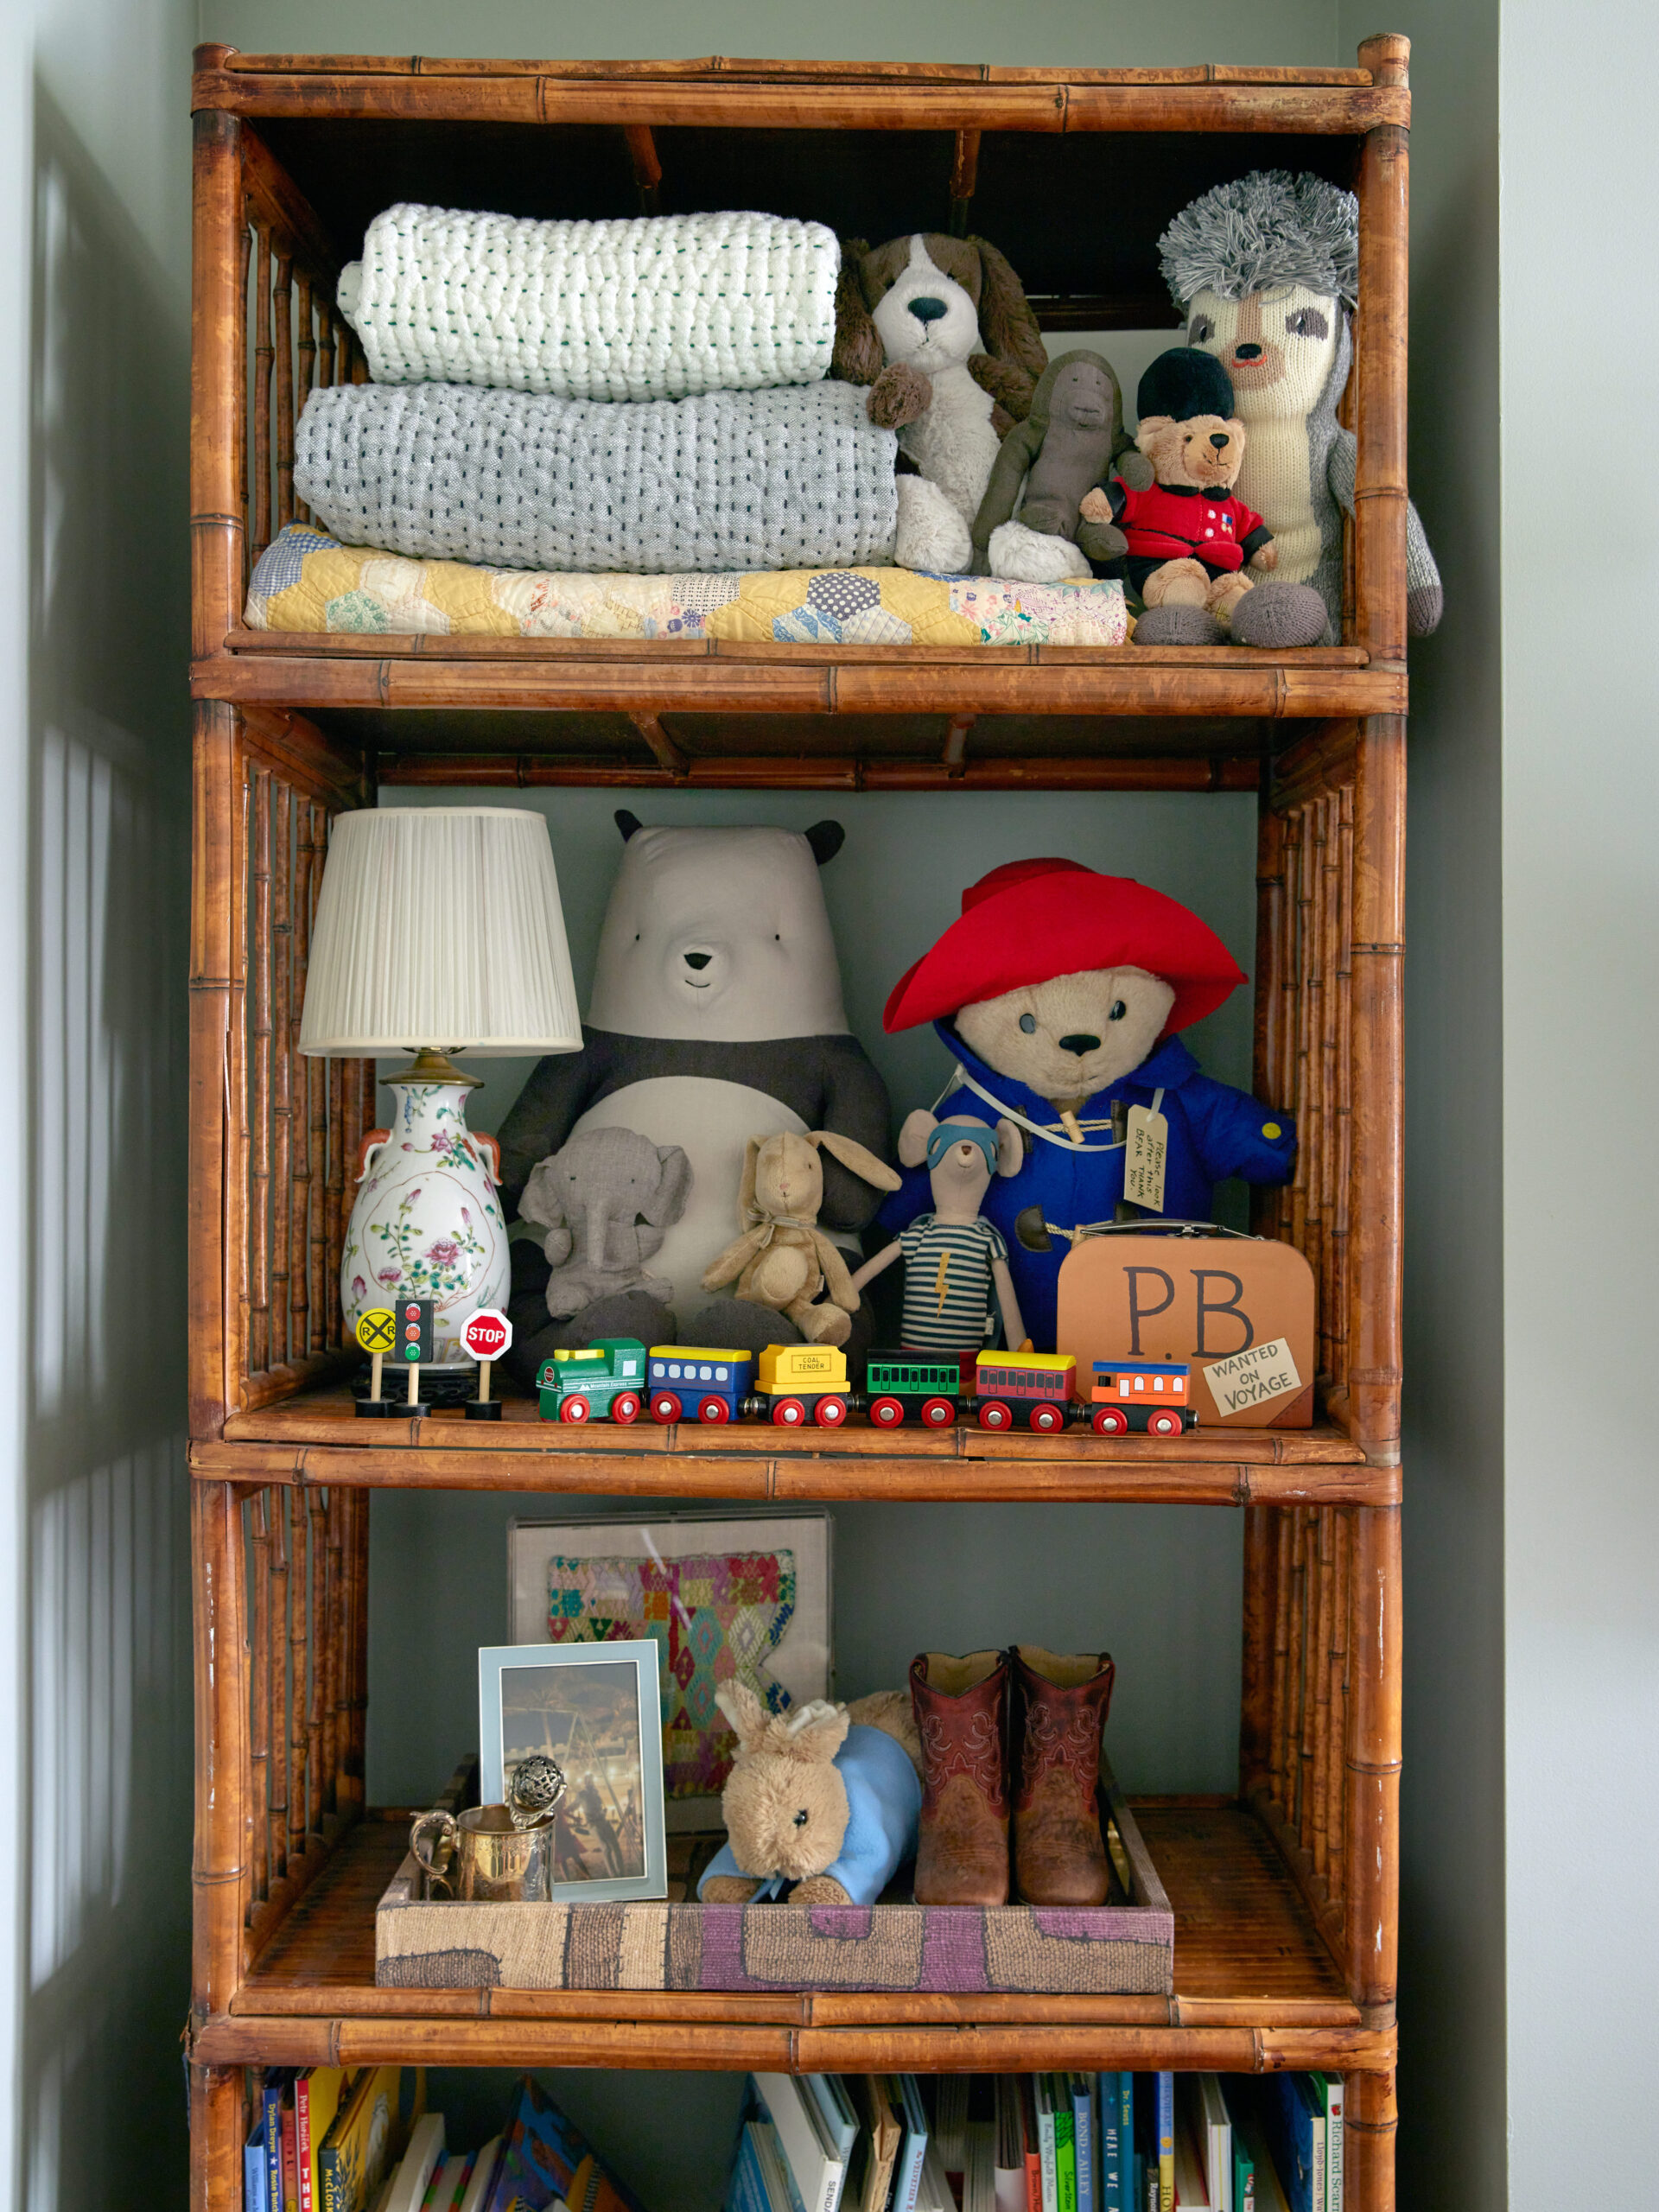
(1015, 355)
(858, 355)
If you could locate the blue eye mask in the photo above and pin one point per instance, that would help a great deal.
(949, 1132)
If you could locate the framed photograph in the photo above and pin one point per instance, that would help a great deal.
(595, 1712)
(721, 1597)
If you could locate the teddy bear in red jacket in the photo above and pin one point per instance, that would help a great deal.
(1191, 542)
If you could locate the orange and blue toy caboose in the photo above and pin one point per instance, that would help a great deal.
(1152, 1396)
(1026, 1390)
(698, 1382)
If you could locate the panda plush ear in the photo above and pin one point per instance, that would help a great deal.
(627, 823)
(826, 839)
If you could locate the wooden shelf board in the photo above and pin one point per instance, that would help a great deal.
(1255, 1984)
(315, 1438)
(580, 676)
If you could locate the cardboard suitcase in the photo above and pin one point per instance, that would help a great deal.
(1240, 1308)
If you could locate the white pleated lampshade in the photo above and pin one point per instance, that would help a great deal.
(440, 926)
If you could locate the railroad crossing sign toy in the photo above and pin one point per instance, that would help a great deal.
(486, 1336)
(376, 1332)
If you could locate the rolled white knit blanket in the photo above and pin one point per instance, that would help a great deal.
(798, 479)
(659, 308)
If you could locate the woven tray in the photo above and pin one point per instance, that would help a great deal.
(1124, 1947)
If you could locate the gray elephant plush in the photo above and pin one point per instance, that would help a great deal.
(606, 1200)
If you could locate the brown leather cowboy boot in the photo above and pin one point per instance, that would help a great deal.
(963, 1855)
(1059, 1711)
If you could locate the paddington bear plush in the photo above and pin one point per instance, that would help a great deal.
(1194, 548)
(1059, 993)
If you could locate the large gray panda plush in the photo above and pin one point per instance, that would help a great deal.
(715, 1016)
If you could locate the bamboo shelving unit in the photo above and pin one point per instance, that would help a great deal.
(1285, 1894)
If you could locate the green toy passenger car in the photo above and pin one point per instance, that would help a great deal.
(605, 1380)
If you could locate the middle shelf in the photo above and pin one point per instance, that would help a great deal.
(1253, 1984)
(315, 1438)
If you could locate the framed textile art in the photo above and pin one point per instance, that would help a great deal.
(722, 1598)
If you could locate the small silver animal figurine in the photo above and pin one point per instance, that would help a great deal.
(536, 1787)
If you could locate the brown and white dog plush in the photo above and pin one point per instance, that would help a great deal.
(942, 332)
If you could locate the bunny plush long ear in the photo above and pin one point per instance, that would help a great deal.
(1010, 1148)
(815, 1733)
(747, 1214)
(748, 1717)
(864, 1165)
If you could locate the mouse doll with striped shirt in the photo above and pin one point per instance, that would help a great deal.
(957, 1272)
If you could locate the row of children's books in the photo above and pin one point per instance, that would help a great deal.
(1040, 2143)
(329, 2138)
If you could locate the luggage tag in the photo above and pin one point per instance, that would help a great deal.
(1146, 1151)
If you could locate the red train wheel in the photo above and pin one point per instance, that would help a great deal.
(714, 1411)
(787, 1413)
(938, 1413)
(1163, 1424)
(1111, 1421)
(624, 1406)
(574, 1409)
(994, 1414)
(1047, 1419)
(664, 1407)
(829, 1413)
(887, 1413)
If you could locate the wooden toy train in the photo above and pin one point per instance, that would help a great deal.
(618, 1379)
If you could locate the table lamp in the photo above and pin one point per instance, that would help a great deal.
(438, 930)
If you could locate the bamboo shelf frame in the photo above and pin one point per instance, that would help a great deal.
(1287, 1896)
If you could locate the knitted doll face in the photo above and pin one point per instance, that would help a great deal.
(1278, 346)
(926, 319)
(1204, 451)
(1072, 1036)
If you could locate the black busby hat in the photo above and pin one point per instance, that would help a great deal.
(1186, 381)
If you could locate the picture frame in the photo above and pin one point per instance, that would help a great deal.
(595, 1709)
(721, 1593)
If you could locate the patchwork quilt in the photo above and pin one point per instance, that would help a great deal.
(306, 581)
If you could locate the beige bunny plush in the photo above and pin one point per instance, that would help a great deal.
(824, 1796)
(783, 1259)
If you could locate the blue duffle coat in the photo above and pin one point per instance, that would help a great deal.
(1214, 1131)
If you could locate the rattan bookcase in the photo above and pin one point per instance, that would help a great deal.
(1285, 1894)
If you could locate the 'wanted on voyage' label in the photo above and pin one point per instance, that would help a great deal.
(1249, 1378)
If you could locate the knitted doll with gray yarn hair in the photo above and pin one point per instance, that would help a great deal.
(1266, 271)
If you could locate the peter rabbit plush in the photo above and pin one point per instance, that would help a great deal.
(783, 1259)
(826, 1796)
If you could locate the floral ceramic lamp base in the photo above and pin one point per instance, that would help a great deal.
(428, 1220)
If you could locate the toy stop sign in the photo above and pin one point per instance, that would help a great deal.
(488, 1335)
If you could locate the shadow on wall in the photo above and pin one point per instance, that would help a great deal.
(106, 1815)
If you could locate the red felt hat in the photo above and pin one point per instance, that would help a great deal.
(1032, 920)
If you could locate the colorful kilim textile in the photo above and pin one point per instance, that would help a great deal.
(718, 1618)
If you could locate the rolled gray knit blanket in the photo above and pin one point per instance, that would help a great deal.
(796, 479)
(657, 307)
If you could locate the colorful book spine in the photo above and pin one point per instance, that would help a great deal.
(271, 2102)
(1111, 2144)
(1065, 2149)
(1046, 2142)
(912, 2157)
(1333, 2141)
(254, 2195)
(1083, 2143)
(1166, 2143)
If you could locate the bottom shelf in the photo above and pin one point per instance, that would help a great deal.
(1255, 1987)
